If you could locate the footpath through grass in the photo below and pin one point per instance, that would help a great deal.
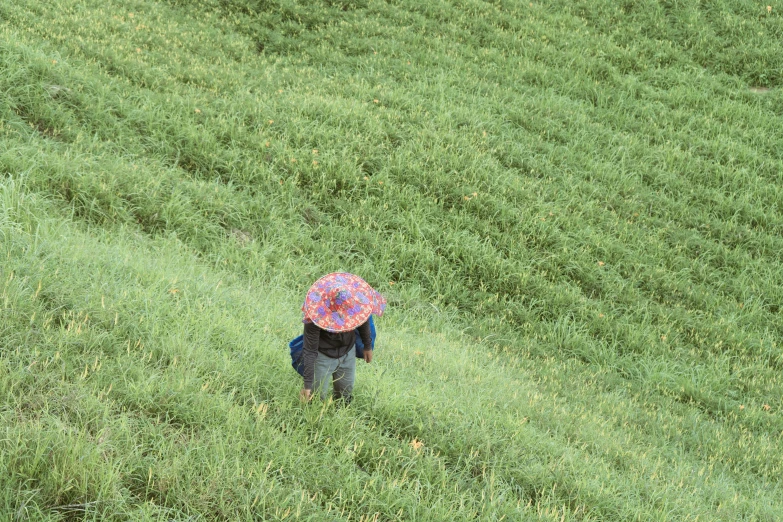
(573, 208)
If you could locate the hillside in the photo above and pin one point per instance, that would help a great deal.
(573, 208)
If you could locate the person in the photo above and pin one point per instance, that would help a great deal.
(336, 307)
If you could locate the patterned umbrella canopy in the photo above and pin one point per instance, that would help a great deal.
(340, 302)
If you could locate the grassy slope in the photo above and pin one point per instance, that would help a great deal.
(587, 192)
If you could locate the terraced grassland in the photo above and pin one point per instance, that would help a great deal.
(574, 209)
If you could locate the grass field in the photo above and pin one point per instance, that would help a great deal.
(575, 210)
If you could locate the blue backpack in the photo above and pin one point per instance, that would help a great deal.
(297, 347)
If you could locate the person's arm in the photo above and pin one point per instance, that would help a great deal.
(312, 336)
(365, 334)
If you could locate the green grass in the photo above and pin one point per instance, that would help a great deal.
(574, 209)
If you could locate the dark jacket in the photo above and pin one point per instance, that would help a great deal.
(334, 345)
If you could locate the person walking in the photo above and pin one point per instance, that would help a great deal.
(336, 307)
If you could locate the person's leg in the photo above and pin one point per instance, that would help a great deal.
(324, 369)
(344, 376)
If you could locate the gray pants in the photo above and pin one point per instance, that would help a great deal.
(341, 370)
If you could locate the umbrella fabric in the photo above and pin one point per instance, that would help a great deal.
(340, 302)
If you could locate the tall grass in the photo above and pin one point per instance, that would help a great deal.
(574, 209)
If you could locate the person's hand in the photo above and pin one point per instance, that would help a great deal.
(367, 356)
(305, 395)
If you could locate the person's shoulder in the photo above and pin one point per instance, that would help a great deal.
(311, 327)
